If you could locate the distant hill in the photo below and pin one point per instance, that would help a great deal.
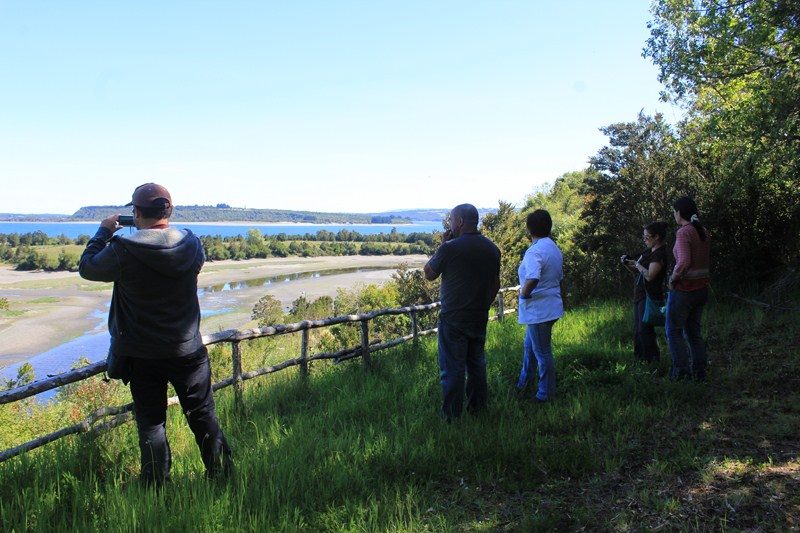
(427, 215)
(225, 213)
(33, 217)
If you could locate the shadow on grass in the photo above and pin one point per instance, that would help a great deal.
(620, 447)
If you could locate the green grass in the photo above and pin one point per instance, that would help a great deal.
(52, 251)
(349, 449)
(45, 300)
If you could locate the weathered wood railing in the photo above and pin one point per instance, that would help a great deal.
(124, 413)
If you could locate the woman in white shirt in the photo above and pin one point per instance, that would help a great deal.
(540, 304)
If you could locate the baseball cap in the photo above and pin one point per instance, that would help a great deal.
(151, 195)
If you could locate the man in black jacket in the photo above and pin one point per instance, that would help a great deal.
(154, 322)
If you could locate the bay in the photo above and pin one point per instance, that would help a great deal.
(75, 229)
(93, 343)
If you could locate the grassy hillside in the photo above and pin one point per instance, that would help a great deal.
(620, 448)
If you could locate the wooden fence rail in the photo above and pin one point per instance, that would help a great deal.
(124, 413)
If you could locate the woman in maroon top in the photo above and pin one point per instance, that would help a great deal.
(688, 293)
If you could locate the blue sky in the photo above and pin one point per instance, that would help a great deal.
(325, 105)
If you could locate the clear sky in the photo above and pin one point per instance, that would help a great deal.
(327, 105)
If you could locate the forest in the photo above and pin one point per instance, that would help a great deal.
(735, 69)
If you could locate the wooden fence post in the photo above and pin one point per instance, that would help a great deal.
(501, 309)
(415, 332)
(304, 354)
(238, 384)
(365, 343)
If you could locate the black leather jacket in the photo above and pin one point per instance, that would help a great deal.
(154, 311)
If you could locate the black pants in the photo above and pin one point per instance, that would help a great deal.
(645, 345)
(191, 377)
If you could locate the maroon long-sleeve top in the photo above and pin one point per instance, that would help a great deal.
(692, 260)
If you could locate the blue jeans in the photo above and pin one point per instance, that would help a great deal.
(461, 352)
(537, 347)
(686, 344)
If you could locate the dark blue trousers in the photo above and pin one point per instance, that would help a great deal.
(461, 353)
(645, 344)
(191, 378)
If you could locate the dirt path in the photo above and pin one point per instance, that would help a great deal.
(48, 309)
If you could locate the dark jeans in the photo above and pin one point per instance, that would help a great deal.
(461, 353)
(645, 345)
(686, 344)
(191, 377)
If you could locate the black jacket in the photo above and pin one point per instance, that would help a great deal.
(154, 311)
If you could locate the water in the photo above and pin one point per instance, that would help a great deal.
(281, 278)
(75, 229)
(93, 344)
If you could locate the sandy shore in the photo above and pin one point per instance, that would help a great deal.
(47, 309)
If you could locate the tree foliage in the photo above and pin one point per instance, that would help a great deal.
(735, 65)
(267, 311)
(631, 182)
(565, 202)
(25, 375)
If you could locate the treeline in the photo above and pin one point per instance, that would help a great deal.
(226, 213)
(29, 251)
(39, 238)
(736, 69)
(323, 242)
(406, 287)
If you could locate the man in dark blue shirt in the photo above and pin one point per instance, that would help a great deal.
(469, 264)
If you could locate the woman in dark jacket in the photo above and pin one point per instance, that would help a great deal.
(650, 269)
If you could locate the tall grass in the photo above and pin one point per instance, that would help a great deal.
(350, 449)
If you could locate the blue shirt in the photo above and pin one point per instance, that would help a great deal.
(542, 261)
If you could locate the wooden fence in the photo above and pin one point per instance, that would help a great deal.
(92, 424)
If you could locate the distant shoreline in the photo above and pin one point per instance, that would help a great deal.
(236, 223)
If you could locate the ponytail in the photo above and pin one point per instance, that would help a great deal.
(688, 211)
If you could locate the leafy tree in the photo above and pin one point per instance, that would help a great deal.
(413, 289)
(278, 248)
(27, 259)
(67, 261)
(736, 67)
(565, 200)
(631, 181)
(256, 246)
(267, 311)
(506, 229)
(25, 375)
